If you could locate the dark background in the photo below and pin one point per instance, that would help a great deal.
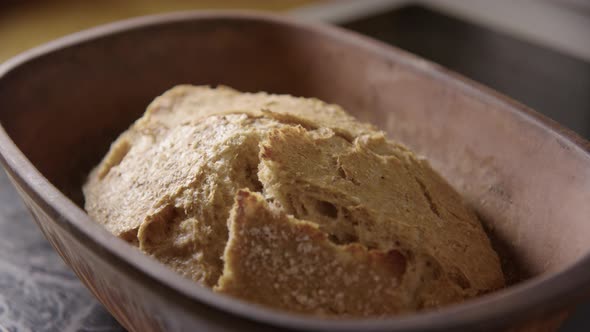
(552, 83)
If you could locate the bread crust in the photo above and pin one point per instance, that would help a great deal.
(291, 203)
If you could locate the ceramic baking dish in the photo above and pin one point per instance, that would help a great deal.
(62, 104)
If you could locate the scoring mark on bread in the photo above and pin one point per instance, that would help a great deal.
(428, 197)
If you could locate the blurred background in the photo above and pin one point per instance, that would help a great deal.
(535, 51)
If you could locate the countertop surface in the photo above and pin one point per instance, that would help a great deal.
(38, 292)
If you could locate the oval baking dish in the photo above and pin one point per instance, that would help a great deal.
(62, 104)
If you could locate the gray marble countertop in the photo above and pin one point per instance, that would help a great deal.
(38, 292)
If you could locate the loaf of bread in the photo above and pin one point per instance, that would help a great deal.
(290, 203)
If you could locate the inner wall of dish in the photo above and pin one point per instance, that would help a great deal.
(529, 186)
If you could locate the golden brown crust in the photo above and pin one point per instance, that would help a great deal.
(175, 192)
(190, 103)
(303, 169)
(279, 261)
(386, 200)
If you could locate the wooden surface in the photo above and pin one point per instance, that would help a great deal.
(25, 24)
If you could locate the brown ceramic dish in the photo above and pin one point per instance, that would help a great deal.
(63, 103)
